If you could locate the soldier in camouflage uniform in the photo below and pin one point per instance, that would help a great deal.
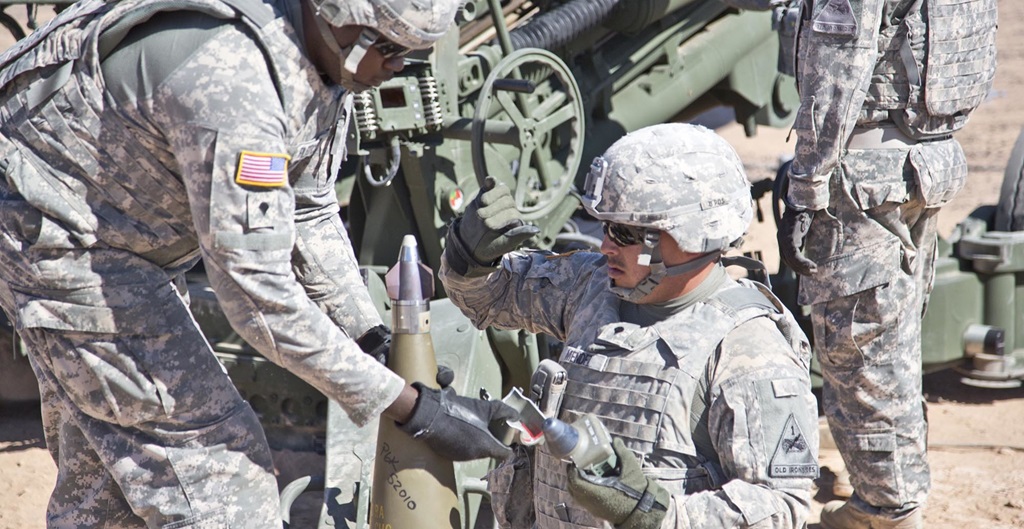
(138, 136)
(884, 84)
(701, 379)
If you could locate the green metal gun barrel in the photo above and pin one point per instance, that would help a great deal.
(412, 486)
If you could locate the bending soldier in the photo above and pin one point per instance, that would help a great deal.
(703, 380)
(138, 136)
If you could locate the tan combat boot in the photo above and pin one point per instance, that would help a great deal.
(845, 515)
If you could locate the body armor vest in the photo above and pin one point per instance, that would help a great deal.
(649, 388)
(936, 64)
(98, 187)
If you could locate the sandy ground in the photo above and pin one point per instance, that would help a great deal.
(976, 437)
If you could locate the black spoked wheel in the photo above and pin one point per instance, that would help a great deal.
(11, 26)
(528, 132)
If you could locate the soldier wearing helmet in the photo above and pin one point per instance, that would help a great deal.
(138, 136)
(387, 28)
(701, 379)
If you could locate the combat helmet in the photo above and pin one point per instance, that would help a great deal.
(678, 178)
(410, 24)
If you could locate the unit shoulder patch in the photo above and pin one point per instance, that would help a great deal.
(262, 169)
(838, 17)
(793, 457)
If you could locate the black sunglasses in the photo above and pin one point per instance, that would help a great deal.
(389, 49)
(623, 235)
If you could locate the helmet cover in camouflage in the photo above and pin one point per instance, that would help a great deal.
(415, 24)
(683, 179)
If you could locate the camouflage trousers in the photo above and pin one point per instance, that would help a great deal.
(124, 461)
(144, 424)
(875, 248)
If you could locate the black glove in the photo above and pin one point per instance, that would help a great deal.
(492, 226)
(376, 342)
(629, 500)
(456, 427)
(791, 233)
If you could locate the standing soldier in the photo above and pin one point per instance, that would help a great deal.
(138, 136)
(884, 84)
(703, 380)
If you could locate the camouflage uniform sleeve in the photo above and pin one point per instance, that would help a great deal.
(219, 103)
(763, 423)
(323, 258)
(536, 291)
(837, 52)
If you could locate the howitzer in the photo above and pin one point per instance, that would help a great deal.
(529, 104)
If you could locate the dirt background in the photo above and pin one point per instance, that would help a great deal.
(976, 437)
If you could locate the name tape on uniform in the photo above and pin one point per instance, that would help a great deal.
(575, 355)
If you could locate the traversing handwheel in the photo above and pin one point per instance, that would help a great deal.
(11, 25)
(528, 129)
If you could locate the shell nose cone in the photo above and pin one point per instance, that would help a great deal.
(410, 279)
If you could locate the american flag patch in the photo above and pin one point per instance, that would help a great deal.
(262, 169)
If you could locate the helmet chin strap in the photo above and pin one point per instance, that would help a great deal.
(350, 57)
(651, 256)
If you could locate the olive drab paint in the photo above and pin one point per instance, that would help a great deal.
(412, 486)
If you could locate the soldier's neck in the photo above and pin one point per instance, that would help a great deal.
(646, 314)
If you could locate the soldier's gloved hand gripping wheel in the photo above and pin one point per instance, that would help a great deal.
(490, 228)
